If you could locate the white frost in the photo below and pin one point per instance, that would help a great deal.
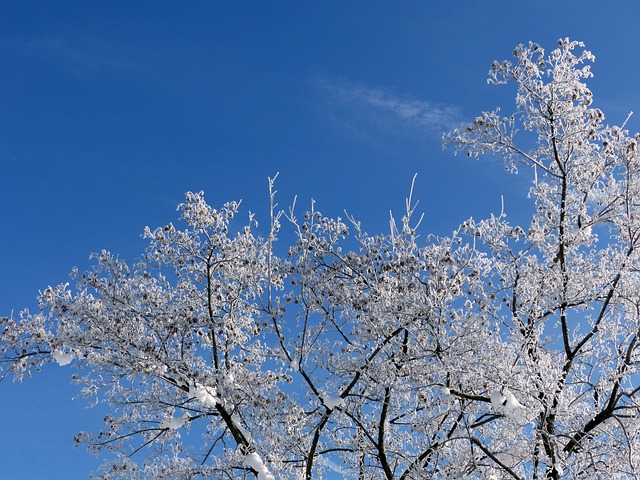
(63, 358)
(254, 461)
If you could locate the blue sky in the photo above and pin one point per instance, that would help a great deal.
(111, 111)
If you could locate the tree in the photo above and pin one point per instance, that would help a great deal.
(499, 351)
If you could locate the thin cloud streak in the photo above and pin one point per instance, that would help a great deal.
(388, 108)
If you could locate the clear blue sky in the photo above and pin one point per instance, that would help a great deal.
(110, 111)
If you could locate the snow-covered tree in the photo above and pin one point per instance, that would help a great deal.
(499, 351)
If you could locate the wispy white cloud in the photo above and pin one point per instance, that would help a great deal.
(387, 108)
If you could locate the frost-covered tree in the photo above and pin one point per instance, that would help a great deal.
(499, 351)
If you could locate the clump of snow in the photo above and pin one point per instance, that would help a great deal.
(201, 393)
(238, 423)
(515, 409)
(230, 380)
(497, 400)
(507, 459)
(512, 402)
(62, 358)
(332, 402)
(510, 405)
(254, 461)
(295, 366)
(174, 422)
